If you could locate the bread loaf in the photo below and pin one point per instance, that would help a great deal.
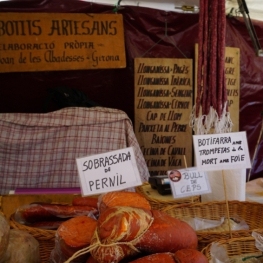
(22, 248)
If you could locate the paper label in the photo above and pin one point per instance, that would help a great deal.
(221, 151)
(111, 171)
(188, 182)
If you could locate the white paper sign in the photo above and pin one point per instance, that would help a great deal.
(111, 171)
(225, 151)
(188, 182)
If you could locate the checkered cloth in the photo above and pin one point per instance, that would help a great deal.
(40, 150)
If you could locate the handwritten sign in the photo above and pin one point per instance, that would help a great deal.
(188, 182)
(221, 151)
(112, 171)
(61, 41)
(163, 104)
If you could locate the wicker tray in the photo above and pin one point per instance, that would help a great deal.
(159, 201)
(250, 212)
(235, 246)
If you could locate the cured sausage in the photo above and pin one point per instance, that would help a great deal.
(71, 236)
(123, 198)
(117, 230)
(125, 231)
(86, 201)
(42, 211)
(167, 234)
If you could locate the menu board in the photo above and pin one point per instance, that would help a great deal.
(163, 104)
(61, 41)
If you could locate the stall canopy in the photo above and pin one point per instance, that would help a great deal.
(255, 7)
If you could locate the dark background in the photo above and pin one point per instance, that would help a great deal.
(148, 33)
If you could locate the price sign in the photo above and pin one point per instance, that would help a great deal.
(188, 182)
(221, 151)
(111, 171)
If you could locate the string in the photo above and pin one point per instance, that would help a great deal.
(192, 195)
(161, 39)
(227, 206)
(98, 243)
(116, 7)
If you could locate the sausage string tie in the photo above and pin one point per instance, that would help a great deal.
(98, 244)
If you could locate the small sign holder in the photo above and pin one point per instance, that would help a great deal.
(222, 152)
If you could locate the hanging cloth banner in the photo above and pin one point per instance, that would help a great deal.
(163, 103)
(61, 41)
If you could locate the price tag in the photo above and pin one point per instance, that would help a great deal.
(111, 171)
(225, 151)
(188, 182)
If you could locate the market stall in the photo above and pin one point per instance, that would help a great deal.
(129, 133)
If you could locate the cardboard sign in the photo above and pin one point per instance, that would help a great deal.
(163, 104)
(232, 73)
(221, 151)
(188, 182)
(112, 171)
(61, 41)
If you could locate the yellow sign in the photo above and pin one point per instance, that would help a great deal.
(232, 71)
(163, 104)
(61, 41)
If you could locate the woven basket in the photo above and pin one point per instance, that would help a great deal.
(46, 238)
(159, 202)
(250, 212)
(235, 246)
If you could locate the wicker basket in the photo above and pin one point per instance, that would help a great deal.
(235, 246)
(250, 212)
(46, 239)
(160, 202)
